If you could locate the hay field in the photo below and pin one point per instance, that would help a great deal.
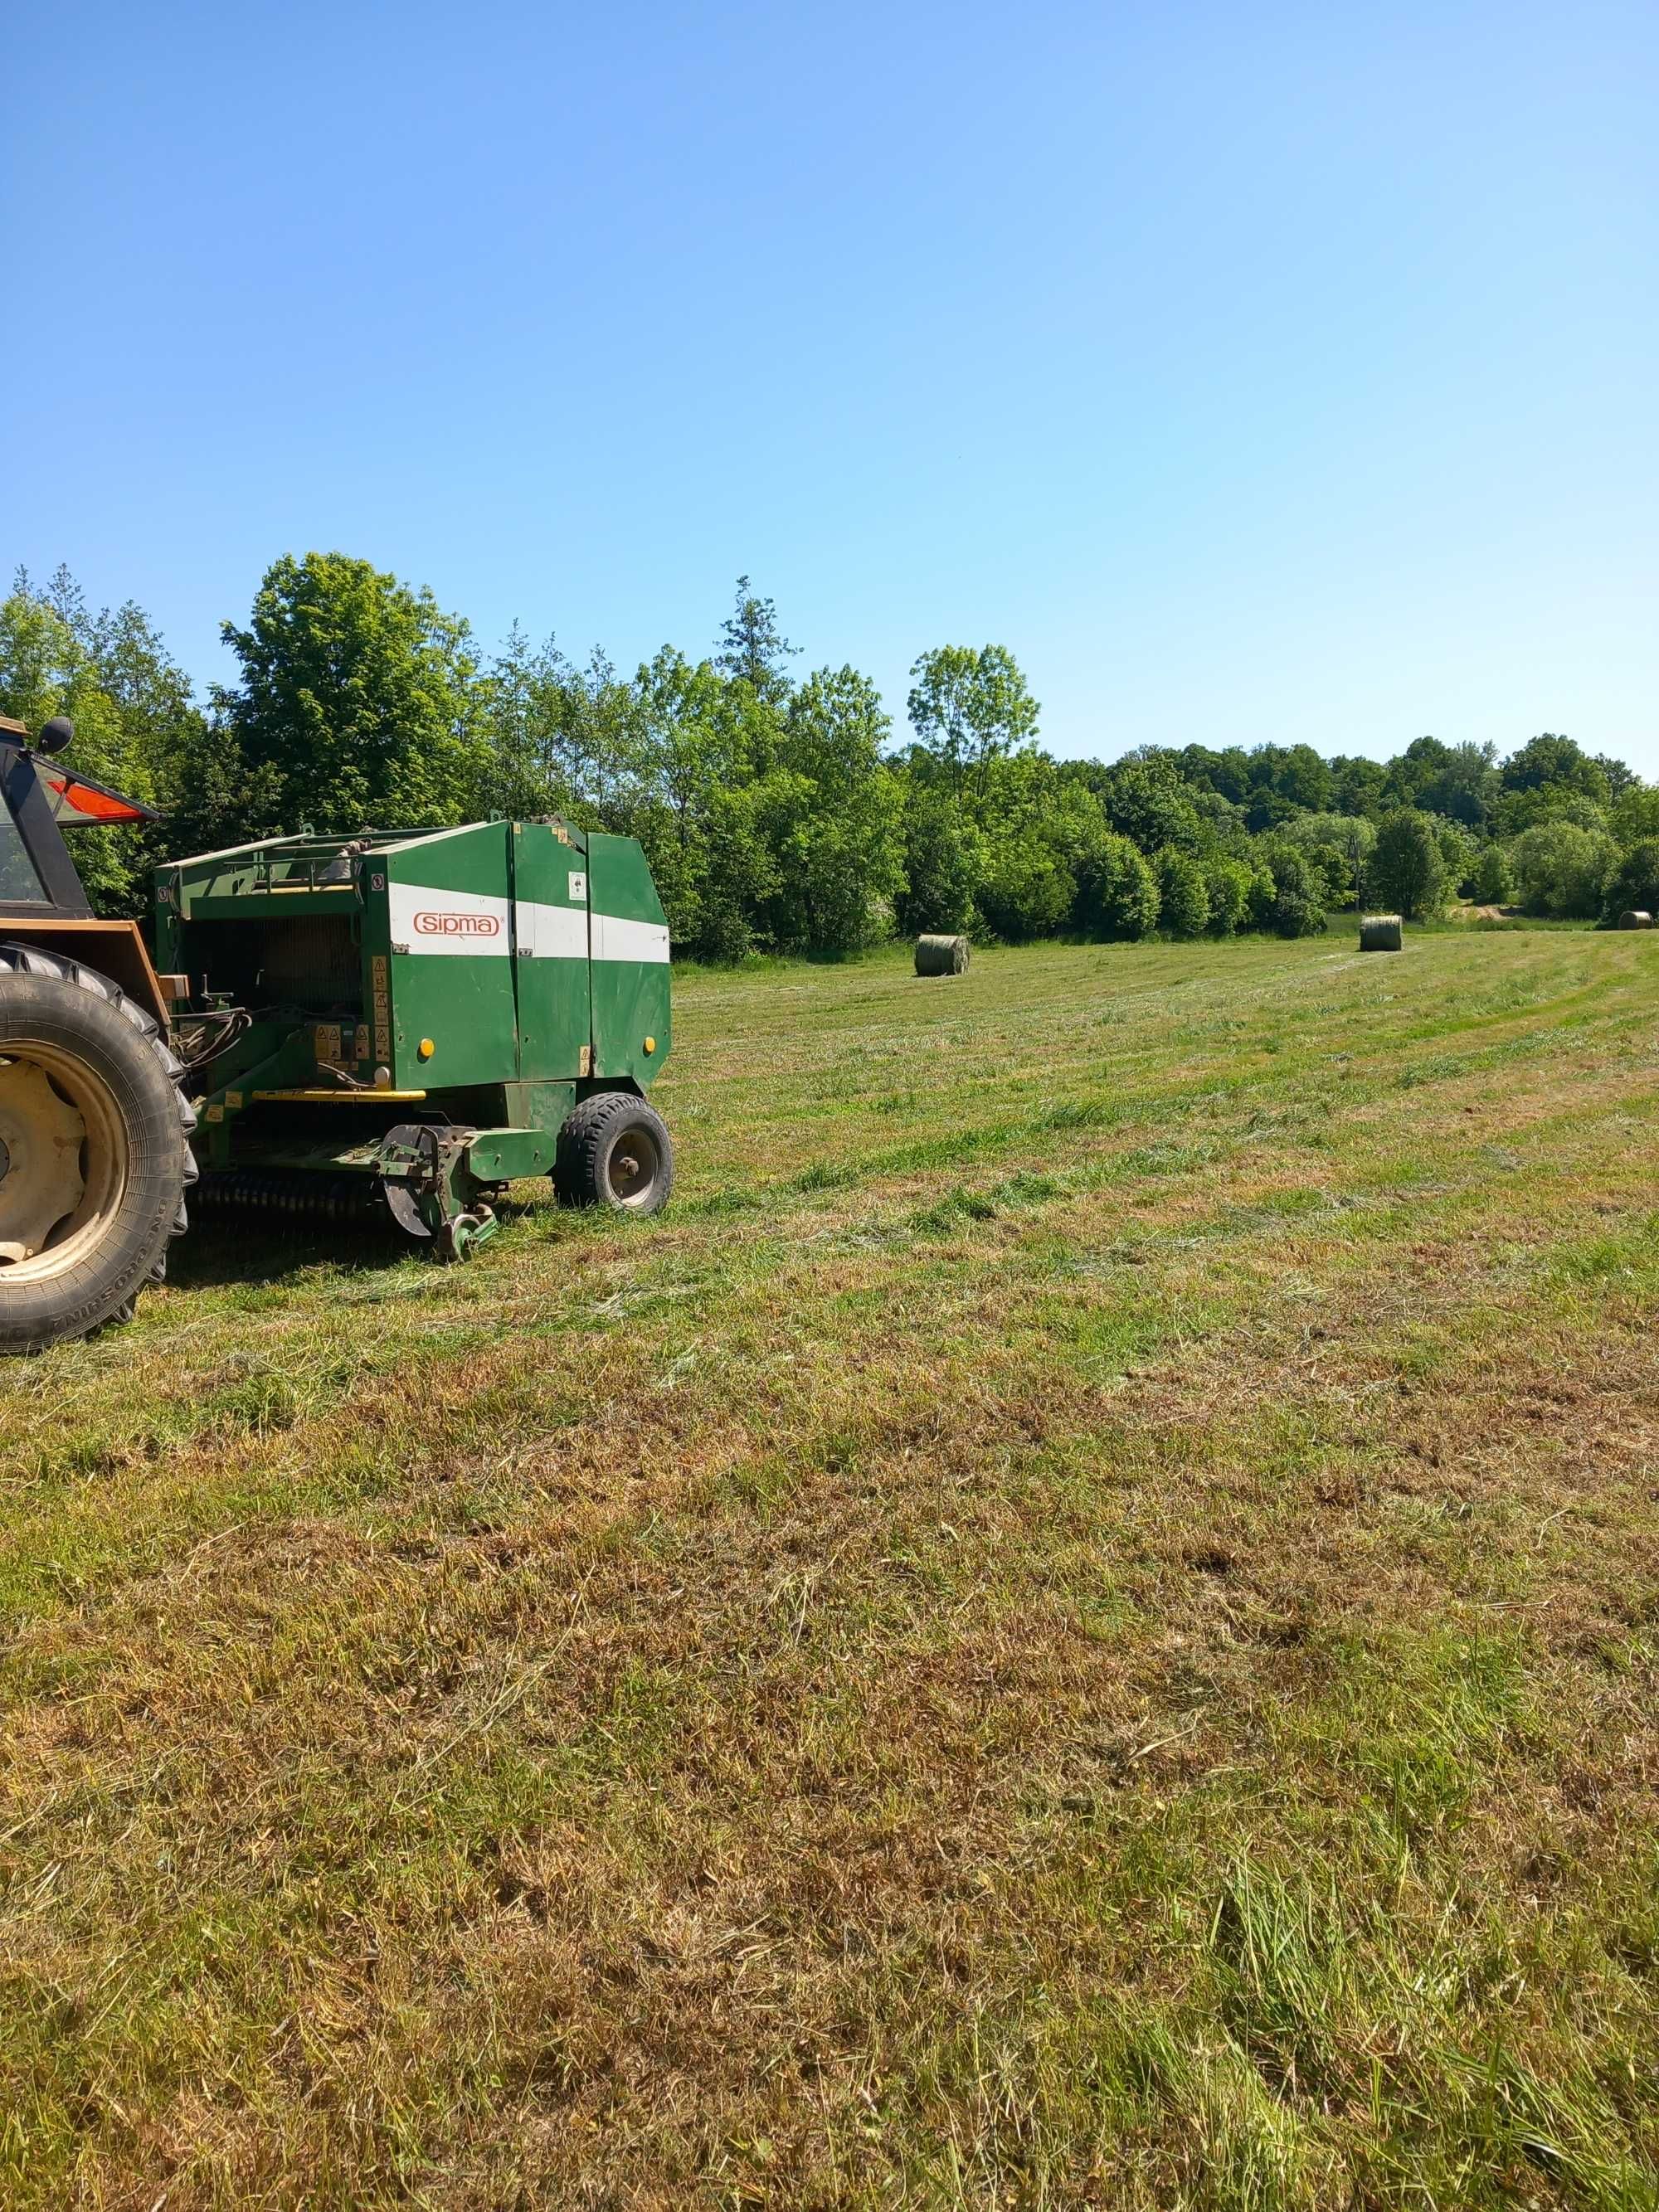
(1077, 1625)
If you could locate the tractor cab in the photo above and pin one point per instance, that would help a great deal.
(40, 797)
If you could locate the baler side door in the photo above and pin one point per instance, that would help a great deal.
(630, 938)
(447, 914)
(550, 918)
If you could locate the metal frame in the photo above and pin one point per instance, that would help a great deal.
(22, 798)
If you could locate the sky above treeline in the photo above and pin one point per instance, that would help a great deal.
(1282, 373)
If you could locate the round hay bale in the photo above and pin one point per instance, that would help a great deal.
(1635, 919)
(941, 956)
(1379, 932)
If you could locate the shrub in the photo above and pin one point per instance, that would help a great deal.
(1459, 853)
(1118, 897)
(942, 862)
(1027, 890)
(1494, 878)
(1289, 897)
(1228, 882)
(1183, 897)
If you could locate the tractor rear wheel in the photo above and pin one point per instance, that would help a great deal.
(614, 1151)
(94, 1157)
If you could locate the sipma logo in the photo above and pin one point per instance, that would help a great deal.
(440, 924)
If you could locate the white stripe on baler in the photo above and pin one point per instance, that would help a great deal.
(616, 939)
(433, 921)
(552, 932)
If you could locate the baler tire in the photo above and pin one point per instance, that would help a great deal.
(593, 1168)
(90, 1035)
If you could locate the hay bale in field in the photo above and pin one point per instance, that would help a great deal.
(941, 956)
(1635, 919)
(1379, 932)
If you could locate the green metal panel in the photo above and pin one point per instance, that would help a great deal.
(448, 924)
(506, 1155)
(628, 933)
(549, 923)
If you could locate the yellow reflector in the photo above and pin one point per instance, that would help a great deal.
(425, 1048)
(650, 1044)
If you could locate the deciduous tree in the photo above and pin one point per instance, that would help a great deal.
(1407, 872)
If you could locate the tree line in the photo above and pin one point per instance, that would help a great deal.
(780, 812)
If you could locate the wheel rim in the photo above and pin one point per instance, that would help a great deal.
(64, 1161)
(634, 1169)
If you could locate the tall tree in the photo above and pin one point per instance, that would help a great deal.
(833, 811)
(696, 802)
(1406, 870)
(752, 648)
(970, 705)
(1557, 761)
(362, 696)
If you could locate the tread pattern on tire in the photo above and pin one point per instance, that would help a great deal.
(575, 1171)
(33, 960)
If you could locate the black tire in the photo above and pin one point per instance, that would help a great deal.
(88, 1031)
(614, 1151)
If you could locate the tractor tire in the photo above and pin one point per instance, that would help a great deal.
(94, 1150)
(614, 1151)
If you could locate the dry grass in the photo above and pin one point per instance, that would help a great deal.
(1078, 1626)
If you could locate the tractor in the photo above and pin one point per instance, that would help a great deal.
(391, 1026)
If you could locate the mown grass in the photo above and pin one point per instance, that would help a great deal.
(1079, 1625)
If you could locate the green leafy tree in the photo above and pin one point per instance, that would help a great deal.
(1551, 759)
(1361, 787)
(1225, 774)
(1494, 878)
(1459, 853)
(360, 694)
(1537, 804)
(1341, 844)
(1620, 776)
(1268, 809)
(1560, 869)
(563, 739)
(943, 860)
(834, 815)
(1288, 895)
(753, 650)
(1633, 886)
(1464, 788)
(1301, 777)
(970, 706)
(697, 806)
(1037, 828)
(1634, 812)
(1227, 884)
(1146, 802)
(518, 783)
(1406, 873)
(1118, 895)
(1183, 894)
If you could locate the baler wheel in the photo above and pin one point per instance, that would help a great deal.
(95, 1160)
(614, 1151)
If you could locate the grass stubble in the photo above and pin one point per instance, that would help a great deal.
(1079, 1625)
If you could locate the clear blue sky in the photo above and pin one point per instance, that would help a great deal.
(1251, 371)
